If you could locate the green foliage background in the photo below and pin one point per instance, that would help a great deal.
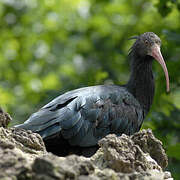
(48, 47)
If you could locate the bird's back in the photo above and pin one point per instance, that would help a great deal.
(85, 115)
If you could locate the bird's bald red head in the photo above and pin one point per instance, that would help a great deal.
(149, 44)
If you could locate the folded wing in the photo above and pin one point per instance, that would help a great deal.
(85, 115)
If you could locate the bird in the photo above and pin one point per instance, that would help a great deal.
(75, 121)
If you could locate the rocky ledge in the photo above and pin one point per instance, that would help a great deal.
(23, 157)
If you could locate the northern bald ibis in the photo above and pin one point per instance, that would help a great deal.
(75, 121)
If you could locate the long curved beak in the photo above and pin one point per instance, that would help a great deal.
(156, 53)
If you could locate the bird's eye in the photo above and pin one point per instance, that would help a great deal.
(158, 42)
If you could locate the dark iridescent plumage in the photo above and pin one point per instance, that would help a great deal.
(76, 120)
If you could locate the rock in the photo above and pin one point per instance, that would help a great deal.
(12, 161)
(5, 118)
(18, 149)
(149, 144)
(123, 155)
(141, 156)
(26, 141)
(70, 167)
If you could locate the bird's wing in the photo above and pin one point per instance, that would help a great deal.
(85, 115)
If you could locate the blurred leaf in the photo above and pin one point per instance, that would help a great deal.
(174, 151)
(51, 82)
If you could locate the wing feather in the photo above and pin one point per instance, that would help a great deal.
(69, 133)
(50, 130)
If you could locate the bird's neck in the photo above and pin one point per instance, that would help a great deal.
(141, 82)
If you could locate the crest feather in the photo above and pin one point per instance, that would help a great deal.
(133, 37)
